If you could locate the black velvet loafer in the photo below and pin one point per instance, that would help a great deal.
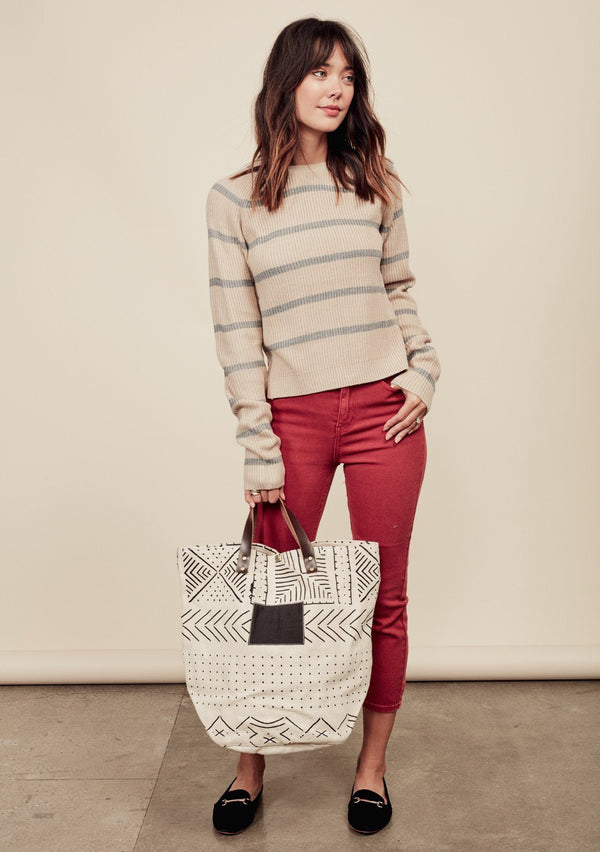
(368, 812)
(235, 810)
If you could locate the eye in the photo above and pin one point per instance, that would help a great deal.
(349, 77)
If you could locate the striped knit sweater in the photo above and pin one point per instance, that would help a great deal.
(310, 297)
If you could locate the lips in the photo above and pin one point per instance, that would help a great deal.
(332, 110)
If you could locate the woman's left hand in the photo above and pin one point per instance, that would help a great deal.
(403, 423)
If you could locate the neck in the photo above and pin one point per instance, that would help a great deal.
(311, 148)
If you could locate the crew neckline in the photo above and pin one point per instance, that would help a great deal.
(312, 166)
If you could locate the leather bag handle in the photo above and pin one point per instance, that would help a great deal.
(296, 530)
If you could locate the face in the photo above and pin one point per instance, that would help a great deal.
(331, 84)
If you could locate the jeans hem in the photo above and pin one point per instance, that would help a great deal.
(379, 708)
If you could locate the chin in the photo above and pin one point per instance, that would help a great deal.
(326, 126)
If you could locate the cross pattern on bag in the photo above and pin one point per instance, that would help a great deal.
(279, 730)
(210, 573)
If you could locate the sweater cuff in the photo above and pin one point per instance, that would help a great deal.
(263, 473)
(414, 381)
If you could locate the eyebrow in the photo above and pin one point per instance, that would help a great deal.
(346, 68)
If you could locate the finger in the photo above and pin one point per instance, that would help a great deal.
(407, 410)
(274, 495)
(414, 428)
(408, 431)
(407, 423)
(402, 420)
(264, 495)
(402, 413)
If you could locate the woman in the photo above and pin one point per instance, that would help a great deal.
(308, 258)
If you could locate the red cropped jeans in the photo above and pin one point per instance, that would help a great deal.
(383, 481)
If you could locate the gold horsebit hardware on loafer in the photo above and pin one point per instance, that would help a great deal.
(245, 800)
(356, 799)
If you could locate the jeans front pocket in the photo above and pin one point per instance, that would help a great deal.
(392, 388)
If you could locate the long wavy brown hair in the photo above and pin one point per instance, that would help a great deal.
(356, 149)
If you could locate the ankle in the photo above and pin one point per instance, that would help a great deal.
(251, 764)
(374, 765)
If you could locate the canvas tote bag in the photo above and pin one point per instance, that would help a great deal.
(277, 646)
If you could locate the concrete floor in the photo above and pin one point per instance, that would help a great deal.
(471, 766)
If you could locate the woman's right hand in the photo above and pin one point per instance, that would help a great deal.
(270, 496)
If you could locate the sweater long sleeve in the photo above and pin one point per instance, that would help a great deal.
(424, 367)
(309, 297)
(239, 342)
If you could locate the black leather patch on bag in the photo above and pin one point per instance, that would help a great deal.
(280, 624)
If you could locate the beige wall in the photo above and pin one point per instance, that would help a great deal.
(118, 442)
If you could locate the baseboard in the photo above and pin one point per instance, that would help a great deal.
(425, 663)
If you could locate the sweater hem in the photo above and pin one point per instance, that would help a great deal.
(292, 383)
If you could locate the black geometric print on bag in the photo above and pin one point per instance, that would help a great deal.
(210, 574)
(367, 571)
(282, 729)
(293, 584)
(216, 625)
(327, 625)
(278, 624)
